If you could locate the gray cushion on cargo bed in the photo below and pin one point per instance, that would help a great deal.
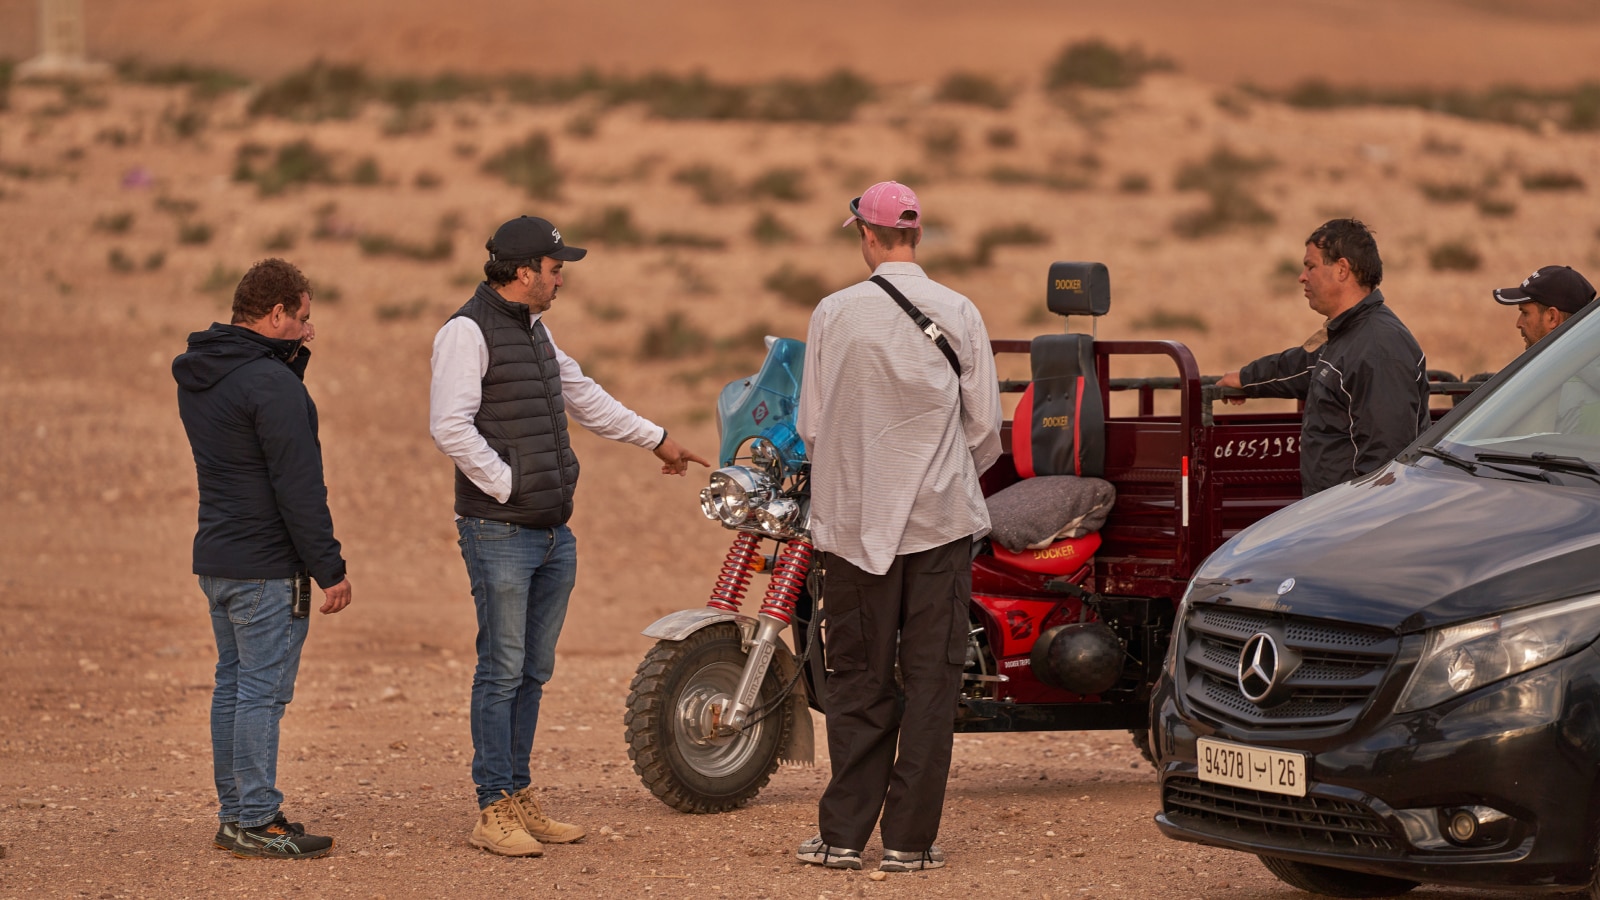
(1035, 512)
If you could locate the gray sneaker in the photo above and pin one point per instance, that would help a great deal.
(227, 833)
(818, 853)
(911, 860)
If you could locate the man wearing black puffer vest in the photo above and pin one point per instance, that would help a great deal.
(498, 407)
(265, 530)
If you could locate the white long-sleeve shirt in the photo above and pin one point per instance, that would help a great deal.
(896, 441)
(461, 359)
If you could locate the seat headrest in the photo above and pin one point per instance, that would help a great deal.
(1079, 289)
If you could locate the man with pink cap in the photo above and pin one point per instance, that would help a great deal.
(900, 412)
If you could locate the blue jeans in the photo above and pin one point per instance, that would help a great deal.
(521, 579)
(258, 657)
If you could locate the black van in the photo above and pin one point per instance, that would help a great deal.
(1396, 680)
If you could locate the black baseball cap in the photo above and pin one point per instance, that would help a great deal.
(526, 237)
(1558, 286)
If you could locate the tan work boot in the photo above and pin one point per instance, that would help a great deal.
(540, 825)
(500, 831)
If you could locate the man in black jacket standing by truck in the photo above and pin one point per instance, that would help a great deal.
(1363, 377)
(265, 532)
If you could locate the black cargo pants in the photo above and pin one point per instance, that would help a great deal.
(916, 613)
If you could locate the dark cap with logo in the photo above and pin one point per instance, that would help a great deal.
(526, 237)
(1557, 286)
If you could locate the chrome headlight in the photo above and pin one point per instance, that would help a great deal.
(1465, 657)
(734, 491)
(764, 456)
(778, 517)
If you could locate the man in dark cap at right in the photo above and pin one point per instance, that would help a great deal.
(1545, 299)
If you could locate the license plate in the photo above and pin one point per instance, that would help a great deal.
(1273, 771)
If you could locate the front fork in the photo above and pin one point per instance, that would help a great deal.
(777, 612)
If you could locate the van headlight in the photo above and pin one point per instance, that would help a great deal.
(1465, 657)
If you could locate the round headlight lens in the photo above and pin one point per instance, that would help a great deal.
(734, 491)
(778, 517)
(764, 455)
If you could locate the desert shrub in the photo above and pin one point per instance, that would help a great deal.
(606, 312)
(1019, 234)
(114, 223)
(609, 225)
(187, 123)
(1096, 64)
(1134, 183)
(539, 90)
(1230, 207)
(528, 165)
(295, 163)
(400, 312)
(203, 81)
(221, 278)
(6, 67)
(1496, 208)
(280, 240)
(119, 261)
(427, 180)
(942, 142)
(1001, 137)
(1576, 108)
(465, 149)
(690, 240)
(1434, 145)
(1223, 167)
(194, 233)
(379, 244)
(1447, 191)
(583, 126)
(973, 89)
(769, 229)
(831, 98)
(712, 184)
(176, 206)
(795, 286)
(786, 184)
(1160, 319)
(1454, 256)
(320, 91)
(1552, 180)
(328, 293)
(366, 172)
(154, 260)
(674, 337)
(1075, 180)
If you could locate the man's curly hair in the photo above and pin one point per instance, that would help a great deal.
(268, 283)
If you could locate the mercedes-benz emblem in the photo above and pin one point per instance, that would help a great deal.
(1258, 667)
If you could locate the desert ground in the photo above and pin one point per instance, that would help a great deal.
(129, 207)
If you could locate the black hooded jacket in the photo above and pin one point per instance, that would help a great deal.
(253, 429)
(1365, 390)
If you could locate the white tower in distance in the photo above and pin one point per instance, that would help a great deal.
(61, 44)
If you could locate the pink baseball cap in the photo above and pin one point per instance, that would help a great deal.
(887, 203)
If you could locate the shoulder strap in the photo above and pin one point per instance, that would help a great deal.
(926, 325)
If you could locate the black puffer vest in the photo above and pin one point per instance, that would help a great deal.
(522, 416)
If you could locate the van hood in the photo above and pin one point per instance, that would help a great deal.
(1413, 546)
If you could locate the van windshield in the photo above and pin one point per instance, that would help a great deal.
(1550, 406)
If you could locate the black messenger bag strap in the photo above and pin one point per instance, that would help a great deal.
(926, 325)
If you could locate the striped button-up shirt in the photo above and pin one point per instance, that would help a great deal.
(896, 442)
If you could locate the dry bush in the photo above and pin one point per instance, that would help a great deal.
(380, 244)
(1496, 208)
(114, 223)
(1134, 183)
(1164, 320)
(194, 233)
(1223, 167)
(769, 229)
(1576, 108)
(399, 312)
(119, 260)
(786, 184)
(674, 337)
(1454, 256)
(279, 241)
(1552, 180)
(797, 287)
(973, 89)
(1230, 208)
(1096, 64)
(275, 171)
(221, 278)
(204, 82)
(528, 165)
(714, 185)
(611, 225)
(1447, 191)
(690, 240)
(941, 143)
(1001, 137)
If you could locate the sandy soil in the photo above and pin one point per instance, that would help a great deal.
(105, 650)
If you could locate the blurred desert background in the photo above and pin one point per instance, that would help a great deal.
(705, 152)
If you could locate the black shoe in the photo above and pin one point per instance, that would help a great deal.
(227, 833)
(280, 839)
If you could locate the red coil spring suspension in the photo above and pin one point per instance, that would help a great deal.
(734, 579)
(788, 578)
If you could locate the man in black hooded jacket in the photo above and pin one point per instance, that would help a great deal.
(1363, 377)
(264, 530)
